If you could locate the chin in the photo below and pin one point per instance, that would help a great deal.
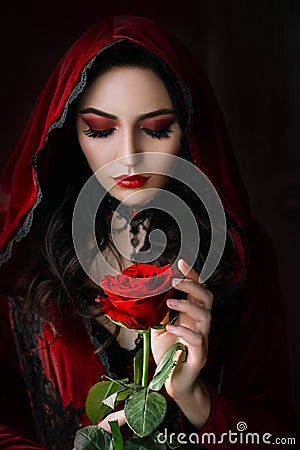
(132, 197)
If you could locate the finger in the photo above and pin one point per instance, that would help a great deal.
(189, 272)
(194, 318)
(191, 337)
(117, 415)
(192, 309)
(200, 294)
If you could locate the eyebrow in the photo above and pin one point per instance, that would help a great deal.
(158, 112)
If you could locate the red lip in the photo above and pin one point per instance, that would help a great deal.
(131, 181)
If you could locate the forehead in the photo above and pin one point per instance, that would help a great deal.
(127, 88)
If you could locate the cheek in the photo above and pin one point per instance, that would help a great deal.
(96, 153)
(171, 145)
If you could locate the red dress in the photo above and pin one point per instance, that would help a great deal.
(247, 371)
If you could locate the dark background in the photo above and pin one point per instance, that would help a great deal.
(250, 51)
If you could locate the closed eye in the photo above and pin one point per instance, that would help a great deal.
(164, 133)
(99, 133)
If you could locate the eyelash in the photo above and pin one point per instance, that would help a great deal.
(99, 133)
(103, 134)
(164, 133)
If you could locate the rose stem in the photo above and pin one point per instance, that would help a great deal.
(146, 348)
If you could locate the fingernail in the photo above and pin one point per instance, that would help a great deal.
(184, 263)
(200, 281)
(176, 281)
(171, 327)
(172, 302)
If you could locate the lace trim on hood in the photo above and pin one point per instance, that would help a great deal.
(26, 225)
(23, 230)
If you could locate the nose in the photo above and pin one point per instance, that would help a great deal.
(129, 149)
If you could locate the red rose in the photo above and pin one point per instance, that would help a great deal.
(137, 297)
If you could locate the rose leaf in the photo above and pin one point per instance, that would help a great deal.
(144, 411)
(95, 408)
(116, 435)
(165, 366)
(117, 396)
(92, 438)
(122, 395)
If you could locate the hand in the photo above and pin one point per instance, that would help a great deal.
(192, 328)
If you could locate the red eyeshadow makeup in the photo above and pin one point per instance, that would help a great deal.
(158, 122)
(98, 122)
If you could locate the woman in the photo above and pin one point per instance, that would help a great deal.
(124, 89)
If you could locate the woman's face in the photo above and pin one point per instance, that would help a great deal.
(125, 114)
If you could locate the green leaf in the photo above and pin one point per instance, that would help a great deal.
(165, 366)
(144, 443)
(117, 397)
(95, 408)
(92, 438)
(116, 435)
(135, 386)
(144, 411)
(137, 366)
(122, 395)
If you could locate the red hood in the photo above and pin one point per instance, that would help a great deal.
(208, 139)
